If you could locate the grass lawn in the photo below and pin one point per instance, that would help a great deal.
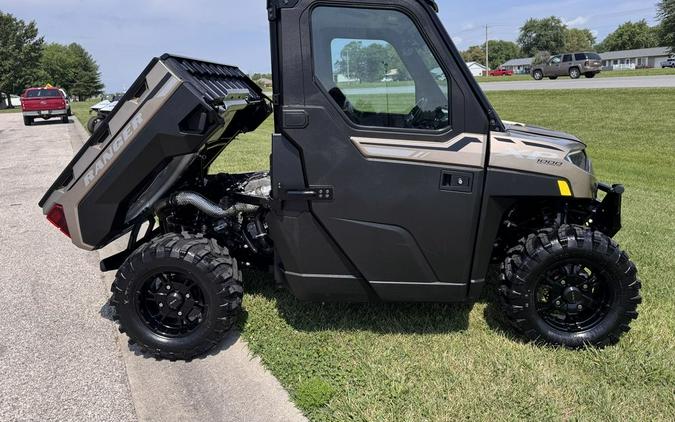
(81, 110)
(435, 362)
(604, 74)
(16, 109)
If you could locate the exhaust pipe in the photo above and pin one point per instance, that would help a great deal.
(208, 207)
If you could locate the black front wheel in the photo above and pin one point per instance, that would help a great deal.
(570, 286)
(177, 296)
(538, 75)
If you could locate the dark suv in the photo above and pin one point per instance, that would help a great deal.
(569, 64)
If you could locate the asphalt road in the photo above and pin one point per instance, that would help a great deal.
(61, 357)
(583, 83)
(532, 85)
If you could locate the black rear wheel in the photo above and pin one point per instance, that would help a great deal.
(569, 286)
(27, 121)
(177, 296)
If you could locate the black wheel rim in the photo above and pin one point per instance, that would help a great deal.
(573, 297)
(171, 304)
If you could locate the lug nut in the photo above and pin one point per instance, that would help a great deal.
(180, 313)
(557, 303)
(161, 305)
(585, 286)
(579, 307)
(187, 296)
(168, 287)
(562, 282)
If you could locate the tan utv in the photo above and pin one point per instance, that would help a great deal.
(378, 191)
(569, 64)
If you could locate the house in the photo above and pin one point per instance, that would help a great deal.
(643, 57)
(611, 60)
(518, 66)
(476, 68)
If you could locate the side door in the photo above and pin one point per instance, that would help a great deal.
(566, 64)
(384, 145)
(553, 68)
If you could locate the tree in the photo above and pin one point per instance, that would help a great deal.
(59, 66)
(87, 76)
(541, 57)
(579, 40)
(547, 34)
(370, 62)
(629, 36)
(501, 52)
(20, 52)
(666, 14)
(475, 53)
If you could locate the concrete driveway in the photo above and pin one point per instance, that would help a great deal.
(583, 83)
(62, 358)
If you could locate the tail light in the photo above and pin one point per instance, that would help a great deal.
(57, 217)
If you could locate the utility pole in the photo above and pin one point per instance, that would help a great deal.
(487, 53)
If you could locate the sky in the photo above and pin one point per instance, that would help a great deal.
(123, 35)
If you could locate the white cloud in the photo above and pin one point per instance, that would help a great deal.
(578, 21)
(457, 40)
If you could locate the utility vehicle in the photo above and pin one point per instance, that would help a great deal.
(405, 191)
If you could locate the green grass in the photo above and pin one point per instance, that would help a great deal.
(384, 362)
(16, 109)
(604, 74)
(81, 110)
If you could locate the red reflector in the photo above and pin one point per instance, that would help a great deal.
(58, 219)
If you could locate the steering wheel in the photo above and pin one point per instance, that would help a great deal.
(416, 112)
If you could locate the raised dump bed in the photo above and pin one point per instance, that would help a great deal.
(175, 120)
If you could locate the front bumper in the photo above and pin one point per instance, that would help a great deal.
(607, 213)
(46, 113)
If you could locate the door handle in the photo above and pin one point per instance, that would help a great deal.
(314, 193)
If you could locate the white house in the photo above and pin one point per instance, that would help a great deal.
(643, 57)
(518, 66)
(476, 69)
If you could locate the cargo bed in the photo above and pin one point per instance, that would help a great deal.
(175, 120)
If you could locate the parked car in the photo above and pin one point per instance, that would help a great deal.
(45, 103)
(668, 63)
(70, 113)
(501, 72)
(569, 64)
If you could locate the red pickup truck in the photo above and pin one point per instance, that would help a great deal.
(45, 103)
(501, 72)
